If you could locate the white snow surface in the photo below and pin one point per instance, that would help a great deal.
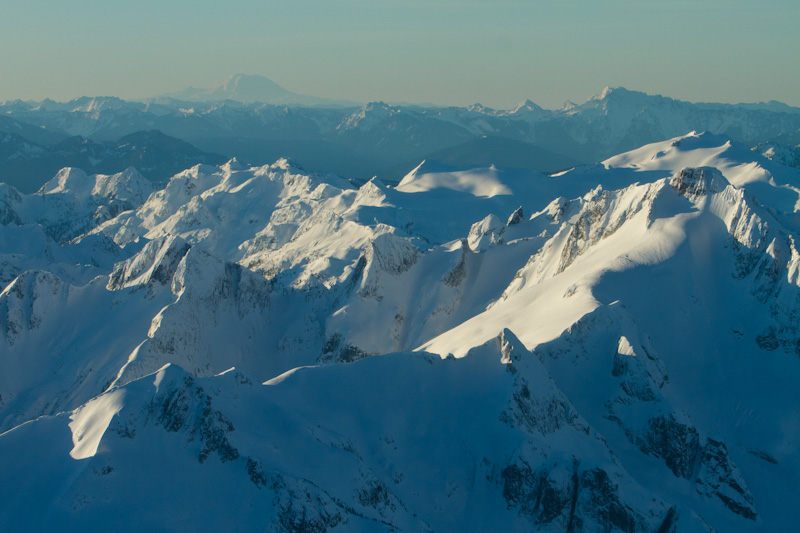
(90, 422)
(614, 348)
(486, 183)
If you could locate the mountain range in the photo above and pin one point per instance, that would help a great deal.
(612, 347)
(156, 155)
(379, 139)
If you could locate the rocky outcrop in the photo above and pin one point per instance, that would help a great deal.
(639, 406)
(570, 498)
(154, 265)
(180, 405)
(719, 477)
(10, 201)
(698, 181)
(599, 215)
(26, 301)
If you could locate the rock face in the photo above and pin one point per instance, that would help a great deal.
(470, 350)
(183, 407)
(698, 181)
(571, 500)
(27, 302)
(719, 478)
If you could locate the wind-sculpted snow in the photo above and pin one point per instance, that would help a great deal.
(614, 348)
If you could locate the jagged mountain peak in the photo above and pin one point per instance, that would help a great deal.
(616, 92)
(527, 106)
(128, 185)
(232, 165)
(480, 109)
(66, 179)
(561, 349)
(155, 263)
(288, 164)
(368, 116)
(568, 106)
(602, 95)
(699, 181)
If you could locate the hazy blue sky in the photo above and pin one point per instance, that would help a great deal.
(495, 52)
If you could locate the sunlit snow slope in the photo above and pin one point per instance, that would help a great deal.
(614, 348)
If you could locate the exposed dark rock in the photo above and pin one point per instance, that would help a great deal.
(593, 224)
(188, 408)
(332, 344)
(569, 497)
(9, 198)
(161, 257)
(538, 413)
(459, 272)
(395, 255)
(516, 217)
(698, 181)
(256, 472)
(104, 470)
(668, 525)
(304, 508)
(675, 442)
(768, 340)
(376, 495)
(719, 477)
(350, 353)
(336, 349)
(609, 512)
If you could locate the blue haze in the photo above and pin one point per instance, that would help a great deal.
(440, 51)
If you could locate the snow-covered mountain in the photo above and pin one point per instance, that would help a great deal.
(612, 348)
(154, 154)
(618, 119)
(251, 88)
(362, 141)
(785, 155)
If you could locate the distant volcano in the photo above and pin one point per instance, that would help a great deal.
(249, 88)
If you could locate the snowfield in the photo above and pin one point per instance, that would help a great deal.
(612, 348)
